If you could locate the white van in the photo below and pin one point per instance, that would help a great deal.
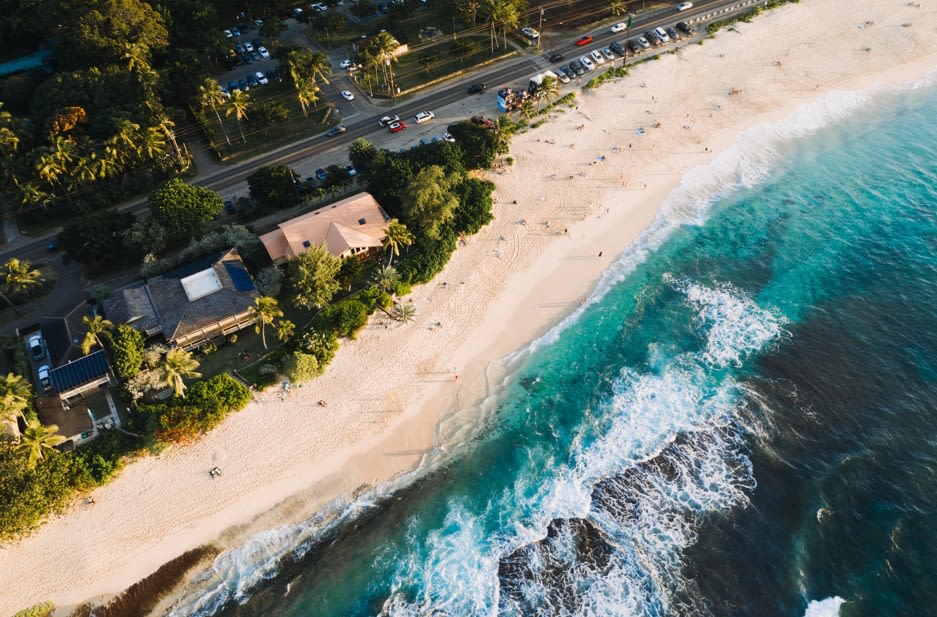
(662, 34)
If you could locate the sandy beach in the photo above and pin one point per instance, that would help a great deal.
(581, 188)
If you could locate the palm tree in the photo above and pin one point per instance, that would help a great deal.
(19, 276)
(526, 109)
(265, 311)
(549, 88)
(30, 195)
(285, 329)
(319, 67)
(397, 235)
(404, 312)
(237, 105)
(386, 278)
(176, 366)
(383, 47)
(15, 393)
(617, 8)
(126, 141)
(210, 95)
(503, 128)
(49, 169)
(136, 56)
(307, 92)
(153, 146)
(96, 327)
(37, 441)
(83, 173)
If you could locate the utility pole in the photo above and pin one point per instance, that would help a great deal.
(540, 29)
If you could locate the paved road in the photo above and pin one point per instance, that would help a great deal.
(513, 71)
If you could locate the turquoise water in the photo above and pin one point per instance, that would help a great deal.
(739, 422)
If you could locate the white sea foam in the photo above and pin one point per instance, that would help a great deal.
(828, 607)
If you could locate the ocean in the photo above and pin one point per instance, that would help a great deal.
(742, 419)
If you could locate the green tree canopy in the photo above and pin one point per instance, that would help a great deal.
(177, 366)
(127, 351)
(15, 393)
(37, 442)
(18, 277)
(429, 203)
(266, 311)
(313, 275)
(301, 367)
(184, 209)
(273, 186)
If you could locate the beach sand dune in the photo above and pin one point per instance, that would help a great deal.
(586, 184)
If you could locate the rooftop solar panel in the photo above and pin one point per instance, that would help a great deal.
(239, 276)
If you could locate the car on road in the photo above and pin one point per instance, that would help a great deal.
(555, 57)
(321, 175)
(477, 88)
(597, 57)
(396, 127)
(684, 6)
(346, 63)
(576, 67)
(608, 54)
(685, 28)
(263, 52)
(562, 76)
(587, 63)
(347, 95)
(261, 78)
(619, 27)
(55, 245)
(349, 169)
(673, 34)
(388, 120)
(424, 116)
(337, 130)
(618, 47)
(660, 32)
(448, 137)
(37, 348)
(643, 42)
(530, 33)
(43, 374)
(583, 40)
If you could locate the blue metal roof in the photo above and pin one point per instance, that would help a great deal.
(239, 276)
(84, 370)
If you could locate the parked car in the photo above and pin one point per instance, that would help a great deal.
(562, 76)
(273, 73)
(597, 56)
(55, 245)
(43, 374)
(684, 6)
(567, 72)
(608, 54)
(448, 137)
(643, 42)
(530, 33)
(555, 57)
(477, 88)
(227, 34)
(424, 116)
(349, 169)
(232, 86)
(246, 58)
(346, 64)
(587, 63)
(235, 32)
(660, 32)
(239, 48)
(261, 78)
(230, 208)
(651, 36)
(257, 43)
(36, 345)
(617, 47)
(576, 67)
(673, 34)
(263, 52)
(425, 141)
(388, 120)
(336, 130)
(685, 28)
(348, 95)
(583, 40)
(396, 127)
(242, 85)
(633, 46)
(321, 175)
(619, 27)
(248, 46)
(252, 81)
(255, 56)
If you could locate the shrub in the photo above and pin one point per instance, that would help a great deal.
(207, 403)
(301, 367)
(347, 317)
(320, 342)
(40, 610)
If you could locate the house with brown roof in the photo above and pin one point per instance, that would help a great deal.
(74, 422)
(190, 305)
(354, 226)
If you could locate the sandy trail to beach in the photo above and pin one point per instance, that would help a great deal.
(585, 185)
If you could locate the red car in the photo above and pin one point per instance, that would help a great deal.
(396, 127)
(583, 40)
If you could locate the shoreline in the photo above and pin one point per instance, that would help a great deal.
(386, 423)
